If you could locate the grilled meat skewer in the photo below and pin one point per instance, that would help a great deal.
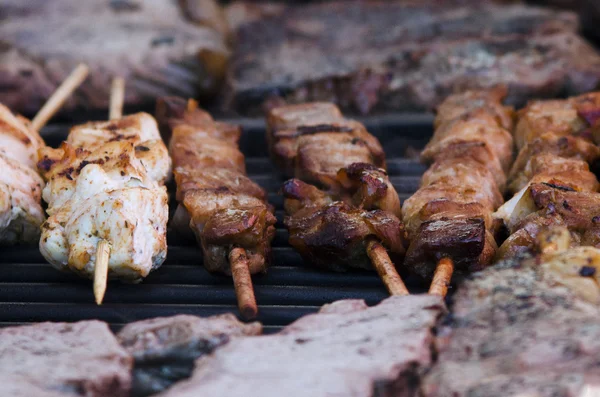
(227, 212)
(449, 219)
(105, 184)
(551, 179)
(355, 222)
(21, 213)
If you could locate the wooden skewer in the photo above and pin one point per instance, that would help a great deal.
(101, 270)
(442, 277)
(117, 97)
(59, 97)
(243, 283)
(117, 94)
(385, 268)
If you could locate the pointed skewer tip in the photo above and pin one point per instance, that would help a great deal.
(101, 270)
(385, 268)
(442, 277)
(242, 281)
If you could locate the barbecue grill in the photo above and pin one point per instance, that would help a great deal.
(32, 291)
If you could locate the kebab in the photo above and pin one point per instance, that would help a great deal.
(551, 180)
(355, 221)
(21, 213)
(226, 211)
(449, 219)
(107, 204)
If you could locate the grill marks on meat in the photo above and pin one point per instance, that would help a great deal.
(517, 330)
(363, 351)
(101, 184)
(20, 186)
(416, 55)
(451, 213)
(58, 359)
(312, 141)
(551, 177)
(155, 57)
(220, 204)
(165, 348)
(332, 228)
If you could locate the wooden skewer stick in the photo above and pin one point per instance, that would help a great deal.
(103, 248)
(59, 97)
(117, 97)
(385, 268)
(101, 270)
(442, 277)
(243, 283)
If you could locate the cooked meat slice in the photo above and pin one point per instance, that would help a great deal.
(140, 129)
(60, 359)
(223, 179)
(459, 131)
(516, 331)
(165, 348)
(293, 130)
(17, 139)
(208, 152)
(363, 350)
(310, 53)
(335, 236)
(300, 195)
(559, 117)
(556, 149)
(20, 211)
(156, 56)
(370, 188)
(484, 104)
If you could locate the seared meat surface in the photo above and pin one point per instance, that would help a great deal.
(364, 351)
(217, 201)
(416, 54)
(61, 359)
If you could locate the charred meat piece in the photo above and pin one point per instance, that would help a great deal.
(60, 359)
(364, 351)
(217, 201)
(164, 349)
(415, 56)
(170, 57)
(517, 330)
(312, 141)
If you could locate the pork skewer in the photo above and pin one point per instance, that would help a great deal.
(226, 211)
(551, 180)
(21, 213)
(314, 143)
(449, 219)
(106, 183)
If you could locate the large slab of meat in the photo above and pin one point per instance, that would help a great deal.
(370, 56)
(516, 331)
(165, 348)
(149, 42)
(347, 349)
(53, 359)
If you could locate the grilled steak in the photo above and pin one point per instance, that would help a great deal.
(165, 349)
(516, 330)
(347, 349)
(52, 359)
(149, 42)
(370, 56)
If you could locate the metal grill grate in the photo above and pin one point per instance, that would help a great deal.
(31, 290)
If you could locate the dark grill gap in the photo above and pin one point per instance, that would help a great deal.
(31, 290)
